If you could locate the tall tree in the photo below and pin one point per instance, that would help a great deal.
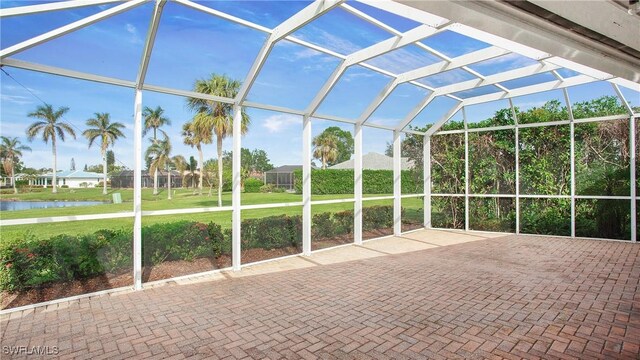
(195, 136)
(344, 145)
(73, 165)
(217, 117)
(154, 119)
(325, 148)
(111, 160)
(160, 155)
(10, 151)
(181, 165)
(51, 127)
(101, 128)
(193, 166)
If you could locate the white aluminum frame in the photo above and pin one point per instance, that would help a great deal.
(632, 197)
(432, 24)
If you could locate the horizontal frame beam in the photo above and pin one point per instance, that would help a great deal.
(53, 6)
(55, 33)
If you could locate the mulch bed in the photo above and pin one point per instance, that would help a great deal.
(165, 270)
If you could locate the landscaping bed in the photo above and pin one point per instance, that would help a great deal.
(35, 270)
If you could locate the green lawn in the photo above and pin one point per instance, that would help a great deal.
(183, 198)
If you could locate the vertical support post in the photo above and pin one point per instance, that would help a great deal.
(306, 185)
(466, 170)
(137, 192)
(517, 160)
(634, 179)
(397, 185)
(236, 194)
(357, 184)
(426, 160)
(572, 157)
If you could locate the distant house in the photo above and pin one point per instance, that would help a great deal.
(72, 178)
(282, 176)
(124, 179)
(376, 161)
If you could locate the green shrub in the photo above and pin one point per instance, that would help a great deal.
(271, 188)
(377, 217)
(272, 232)
(343, 222)
(182, 240)
(340, 181)
(64, 186)
(322, 226)
(252, 185)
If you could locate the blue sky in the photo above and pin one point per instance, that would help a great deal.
(191, 45)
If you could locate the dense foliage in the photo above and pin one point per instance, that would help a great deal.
(30, 262)
(602, 158)
(341, 181)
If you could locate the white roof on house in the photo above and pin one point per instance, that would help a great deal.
(75, 174)
(375, 161)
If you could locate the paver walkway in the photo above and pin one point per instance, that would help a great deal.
(511, 297)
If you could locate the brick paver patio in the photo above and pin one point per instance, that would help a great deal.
(510, 297)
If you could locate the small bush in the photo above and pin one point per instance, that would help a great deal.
(322, 226)
(252, 185)
(343, 222)
(377, 217)
(64, 186)
(271, 188)
(272, 232)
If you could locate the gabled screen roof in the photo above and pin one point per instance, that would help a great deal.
(366, 62)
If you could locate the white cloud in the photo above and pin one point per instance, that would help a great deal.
(133, 31)
(318, 36)
(16, 99)
(279, 122)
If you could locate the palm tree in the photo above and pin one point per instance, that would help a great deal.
(10, 151)
(325, 148)
(181, 165)
(160, 155)
(51, 128)
(101, 127)
(216, 117)
(153, 120)
(195, 137)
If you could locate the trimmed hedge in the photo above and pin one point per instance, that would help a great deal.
(252, 185)
(340, 181)
(30, 262)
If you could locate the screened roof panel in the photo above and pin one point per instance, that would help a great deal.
(399, 23)
(342, 32)
(529, 80)
(353, 92)
(482, 90)
(444, 41)
(567, 73)
(214, 40)
(116, 54)
(401, 101)
(292, 76)
(15, 29)
(434, 111)
(447, 78)
(481, 115)
(404, 59)
(591, 100)
(502, 63)
(266, 13)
